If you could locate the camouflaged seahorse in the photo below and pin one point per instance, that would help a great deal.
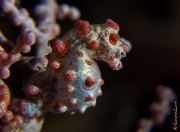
(72, 81)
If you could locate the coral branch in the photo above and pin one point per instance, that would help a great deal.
(46, 18)
(159, 110)
(48, 29)
(21, 18)
(65, 10)
(4, 97)
(24, 43)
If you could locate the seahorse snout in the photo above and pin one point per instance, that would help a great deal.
(115, 64)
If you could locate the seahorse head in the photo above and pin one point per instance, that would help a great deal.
(104, 43)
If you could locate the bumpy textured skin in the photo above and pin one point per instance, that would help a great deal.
(72, 80)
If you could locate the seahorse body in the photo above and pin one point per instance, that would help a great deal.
(72, 80)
